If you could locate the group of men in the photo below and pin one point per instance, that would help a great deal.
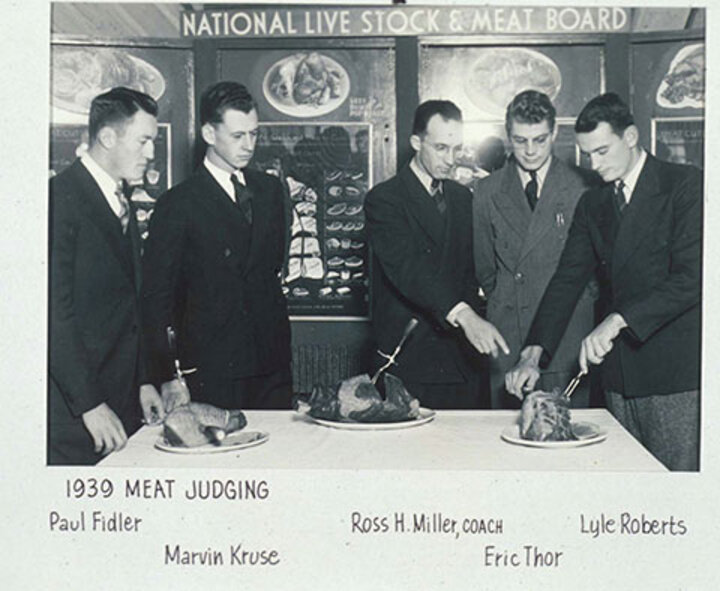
(513, 274)
(200, 314)
(517, 271)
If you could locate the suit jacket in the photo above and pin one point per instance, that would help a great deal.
(516, 252)
(215, 280)
(422, 268)
(648, 264)
(94, 314)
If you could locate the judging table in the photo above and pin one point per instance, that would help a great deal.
(453, 440)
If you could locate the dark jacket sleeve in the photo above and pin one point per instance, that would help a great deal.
(681, 288)
(483, 248)
(70, 367)
(413, 271)
(575, 268)
(161, 273)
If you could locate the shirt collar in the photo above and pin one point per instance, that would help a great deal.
(108, 185)
(223, 177)
(631, 178)
(424, 178)
(541, 174)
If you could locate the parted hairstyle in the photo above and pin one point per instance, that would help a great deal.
(530, 106)
(222, 96)
(605, 108)
(446, 109)
(114, 107)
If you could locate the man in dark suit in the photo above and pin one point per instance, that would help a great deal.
(96, 364)
(420, 229)
(211, 270)
(521, 217)
(641, 234)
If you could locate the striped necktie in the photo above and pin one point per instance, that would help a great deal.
(436, 192)
(124, 213)
(620, 200)
(243, 198)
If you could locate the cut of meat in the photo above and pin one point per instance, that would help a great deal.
(197, 423)
(545, 416)
(357, 400)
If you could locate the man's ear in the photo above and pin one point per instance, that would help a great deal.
(415, 142)
(208, 134)
(107, 137)
(554, 133)
(631, 136)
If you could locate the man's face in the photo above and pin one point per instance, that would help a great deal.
(439, 146)
(133, 147)
(232, 141)
(611, 155)
(531, 143)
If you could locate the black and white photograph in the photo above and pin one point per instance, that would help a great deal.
(360, 295)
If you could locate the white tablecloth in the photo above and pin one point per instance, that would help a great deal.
(454, 440)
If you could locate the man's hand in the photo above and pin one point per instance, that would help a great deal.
(151, 404)
(600, 341)
(523, 377)
(481, 334)
(174, 393)
(105, 428)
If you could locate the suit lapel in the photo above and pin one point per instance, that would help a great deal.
(260, 217)
(637, 220)
(97, 210)
(420, 206)
(510, 200)
(547, 208)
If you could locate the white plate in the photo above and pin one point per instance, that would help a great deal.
(234, 441)
(426, 415)
(586, 433)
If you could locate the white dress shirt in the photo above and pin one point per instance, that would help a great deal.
(223, 177)
(107, 184)
(541, 173)
(631, 178)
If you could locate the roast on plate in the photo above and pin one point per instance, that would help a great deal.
(545, 416)
(357, 400)
(196, 423)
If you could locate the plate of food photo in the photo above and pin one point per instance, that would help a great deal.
(306, 84)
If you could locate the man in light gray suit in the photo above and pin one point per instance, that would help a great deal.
(521, 217)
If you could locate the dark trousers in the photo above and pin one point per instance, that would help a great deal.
(271, 391)
(667, 425)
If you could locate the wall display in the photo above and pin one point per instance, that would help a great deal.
(81, 72)
(70, 141)
(483, 80)
(326, 171)
(683, 85)
(679, 139)
(668, 81)
(306, 84)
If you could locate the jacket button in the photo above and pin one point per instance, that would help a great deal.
(518, 276)
(227, 252)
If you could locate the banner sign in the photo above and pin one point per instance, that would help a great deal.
(378, 21)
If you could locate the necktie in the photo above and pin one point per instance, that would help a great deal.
(620, 200)
(243, 198)
(436, 192)
(124, 213)
(531, 190)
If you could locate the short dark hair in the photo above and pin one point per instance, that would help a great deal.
(606, 108)
(222, 96)
(446, 109)
(116, 106)
(530, 106)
